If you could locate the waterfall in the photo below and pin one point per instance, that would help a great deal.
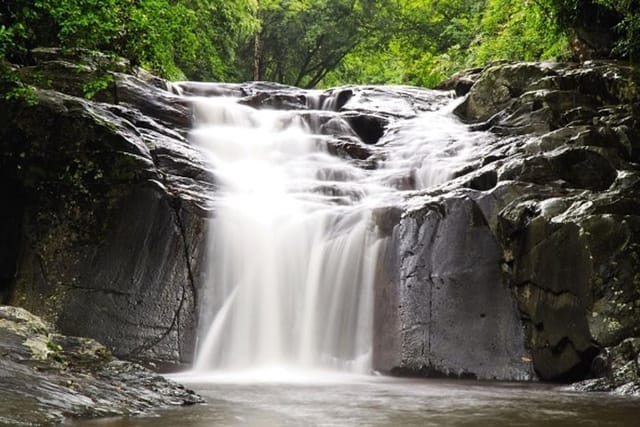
(293, 248)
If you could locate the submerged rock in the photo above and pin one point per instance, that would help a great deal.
(46, 378)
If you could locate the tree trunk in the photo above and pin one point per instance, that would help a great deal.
(257, 46)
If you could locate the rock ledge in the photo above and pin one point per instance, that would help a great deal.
(46, 378)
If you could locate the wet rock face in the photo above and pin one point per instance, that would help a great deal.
(453, 314)
(522, 92)
(494, 90)
(569, 240)
(108, 209)
(47, 378)
(618, 370)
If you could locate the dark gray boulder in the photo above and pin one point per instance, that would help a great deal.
(453, 313)
(461, 82)
(497, 86)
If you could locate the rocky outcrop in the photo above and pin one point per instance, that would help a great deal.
(106, 209)
(617, 368)
(570, 239)
(535, 242)
(48, 378)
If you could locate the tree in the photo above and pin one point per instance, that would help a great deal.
(322, 42)
(415, 42)
(175, 38)
(606, 27)
(300, 41)
(517, 30)
(257, 45)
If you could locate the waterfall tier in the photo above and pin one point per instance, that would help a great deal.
(293, 246)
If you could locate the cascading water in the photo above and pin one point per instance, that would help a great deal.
(293, 247)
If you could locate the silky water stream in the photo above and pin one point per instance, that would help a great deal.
(288, 313)
(293, 248)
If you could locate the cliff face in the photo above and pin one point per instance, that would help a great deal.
(525, 265)
(103, 217)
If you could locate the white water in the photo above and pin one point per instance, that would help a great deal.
(292, 266)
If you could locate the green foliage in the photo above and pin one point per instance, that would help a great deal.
(220, 27)
(300, 41)
(628, 29)
(421, 42)
(54, 351)
(53, 347)
(176, 39)
(415, 42)
(314, 42)
(91, 88)
(24, 94)
(12, 89)
(5, 39)
(629, 43)
(517, 30)
(619, 18)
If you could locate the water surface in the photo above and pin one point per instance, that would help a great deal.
(383, 401)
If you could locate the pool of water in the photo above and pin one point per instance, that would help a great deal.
(383, 401)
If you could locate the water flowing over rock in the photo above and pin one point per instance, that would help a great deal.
(293, 259)
(300, 237)
(502, 244)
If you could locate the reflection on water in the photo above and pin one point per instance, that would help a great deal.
(381, 401)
